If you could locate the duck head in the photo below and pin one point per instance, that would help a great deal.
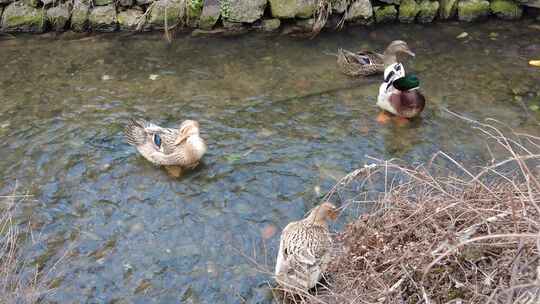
(396, 49)
(187, 128)
(323, 213)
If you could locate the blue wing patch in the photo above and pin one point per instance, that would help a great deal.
(157, 140)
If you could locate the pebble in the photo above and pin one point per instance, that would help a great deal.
(106, 77)
(462, 35)
(153, 76)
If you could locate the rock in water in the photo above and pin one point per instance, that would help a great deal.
(58, 16)
(247, 11)
(408, 11)
(385, 14)
(19, 17)
(103, 19)
(360, 11)
(293, 8)
(428, 10)
(506, 9)
(128, 20)
(472, 10)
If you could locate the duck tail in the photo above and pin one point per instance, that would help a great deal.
(134, 132)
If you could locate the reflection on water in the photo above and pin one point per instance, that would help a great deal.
(282, 125)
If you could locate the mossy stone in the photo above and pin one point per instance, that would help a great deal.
(428, 11)
(472, 10)
(102, 2)
(193, 13)
(385, 14)
(19, 17)
(448, 9)
(210, 14)
(293, 8)
(128, 20)
(506, 9)
(58, 16)
(247, 11)
(79, 16)
(103, 19)
(171, 10)
(408, 11)
(360, 11)
(270, 25)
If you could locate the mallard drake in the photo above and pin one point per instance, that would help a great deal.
(399, 93)
(181, 148)
(305, 249)
(366, 63)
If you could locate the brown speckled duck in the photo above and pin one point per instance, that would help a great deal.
(305, 249)
(176, 149)
(366, 63)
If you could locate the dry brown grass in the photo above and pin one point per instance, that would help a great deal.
(439, 235)
(21, 281)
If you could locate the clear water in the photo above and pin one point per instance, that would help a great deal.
(282, 125)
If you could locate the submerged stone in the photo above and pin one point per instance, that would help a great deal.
(171, 10)
(472, 10)
(128, 20)
(79, 16)
(19, 17)
(408, 11)
(385, 14)
(360, 11)
(58, 16)
(428, 11)
(293, 8)
(506, 9)
(103, 19)
(247, 11)
(210, 14)
(448, 9)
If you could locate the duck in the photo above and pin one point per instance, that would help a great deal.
(176, 149)
(305, 249)
(399, 93)
(367, 63)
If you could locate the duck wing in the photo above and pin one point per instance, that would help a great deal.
(155, 143)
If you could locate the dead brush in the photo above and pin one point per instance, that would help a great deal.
(436, 234)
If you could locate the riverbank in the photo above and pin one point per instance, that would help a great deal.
(434, 235)
(237, 16)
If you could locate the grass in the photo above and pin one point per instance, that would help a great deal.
(21, 280)
(440, 234)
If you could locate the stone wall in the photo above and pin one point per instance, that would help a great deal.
(238, 15)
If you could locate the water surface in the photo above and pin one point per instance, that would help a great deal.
(282, 125)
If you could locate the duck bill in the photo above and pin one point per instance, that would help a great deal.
(333, 214)
(410, 53)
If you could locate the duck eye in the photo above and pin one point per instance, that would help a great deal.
(157, 140)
